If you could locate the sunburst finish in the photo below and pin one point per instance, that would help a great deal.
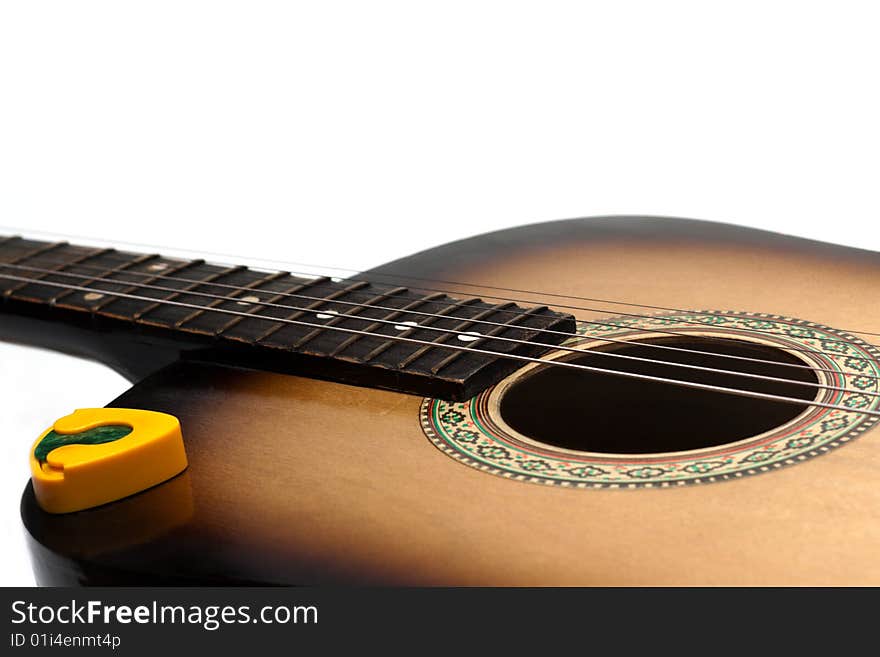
(299, 481)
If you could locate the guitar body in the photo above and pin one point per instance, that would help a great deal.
(296, 480)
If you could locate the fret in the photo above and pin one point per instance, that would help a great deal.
(99, 300)
(315, 305)
(458, 329)
(378, 326)
(171, 312)
(245, 326)
(141, 286)
(103, 276)
(314, 333)
(424, 325)
(210, 296)
(41, 249)
(47, 274)
(16, 254)
(235, 299)
(6, 241)
(18, 259)
(453, 356)
(27, 265)
(132, 281)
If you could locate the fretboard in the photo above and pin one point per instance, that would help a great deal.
(353, 331)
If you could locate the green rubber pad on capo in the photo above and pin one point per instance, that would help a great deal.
(96, 436)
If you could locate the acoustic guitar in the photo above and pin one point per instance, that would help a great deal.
(603, 401)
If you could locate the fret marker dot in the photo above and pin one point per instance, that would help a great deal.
(93, 296)
(469, 336)
(246, 301)
(326, 314)
(158, 267)
(405, 326)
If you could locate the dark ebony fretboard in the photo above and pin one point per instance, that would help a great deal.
(278, 321)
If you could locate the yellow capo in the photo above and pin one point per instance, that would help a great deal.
(89, 468)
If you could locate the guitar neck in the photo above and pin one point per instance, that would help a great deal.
(353, 331)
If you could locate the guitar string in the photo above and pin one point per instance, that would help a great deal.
(397, 323)
(532, 301)
(421, 313)
(11, 230)
(405, 277)
(678, 382)
(121, 261)
(439, 302)
(723, 389)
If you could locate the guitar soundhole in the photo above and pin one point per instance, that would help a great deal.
(586, 411)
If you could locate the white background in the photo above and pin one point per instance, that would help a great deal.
(301, 131)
